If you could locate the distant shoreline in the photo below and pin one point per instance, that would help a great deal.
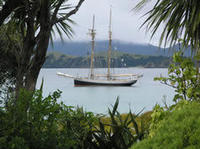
(119, 60)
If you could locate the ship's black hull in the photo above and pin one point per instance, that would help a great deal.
(80, 82)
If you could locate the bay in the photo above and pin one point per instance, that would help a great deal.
(144, 94)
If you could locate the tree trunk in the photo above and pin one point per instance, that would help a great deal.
(41, 47)
(37, 63)
(31, 80)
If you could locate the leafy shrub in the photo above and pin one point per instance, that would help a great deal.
(177, 127)
(183, 77)
(117, 131)
(35, 122)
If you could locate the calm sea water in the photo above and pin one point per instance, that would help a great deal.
(144, 94)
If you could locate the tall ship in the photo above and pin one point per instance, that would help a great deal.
(103, 79)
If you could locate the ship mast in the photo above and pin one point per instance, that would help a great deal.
(110, 47)
(92, 34)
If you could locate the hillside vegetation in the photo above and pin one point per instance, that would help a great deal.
(81, 48)
(118, 59)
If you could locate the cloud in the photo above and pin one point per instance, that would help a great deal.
(125, 22)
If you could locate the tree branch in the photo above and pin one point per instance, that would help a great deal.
(70, 13)
(53, 18)
(165, 83)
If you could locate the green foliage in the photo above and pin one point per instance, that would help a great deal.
(35, 122)
(158, 115)
(161, 113)
(177, 127)
(183, 77)
(118, 133)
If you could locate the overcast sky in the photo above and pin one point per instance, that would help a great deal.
(125, 23)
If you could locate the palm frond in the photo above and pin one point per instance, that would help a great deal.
(141, 4)
(181, 20)
(62, 27)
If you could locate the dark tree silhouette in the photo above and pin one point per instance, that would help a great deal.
(30, 24)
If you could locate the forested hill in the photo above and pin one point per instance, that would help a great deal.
(82, 48)
(56, 60)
